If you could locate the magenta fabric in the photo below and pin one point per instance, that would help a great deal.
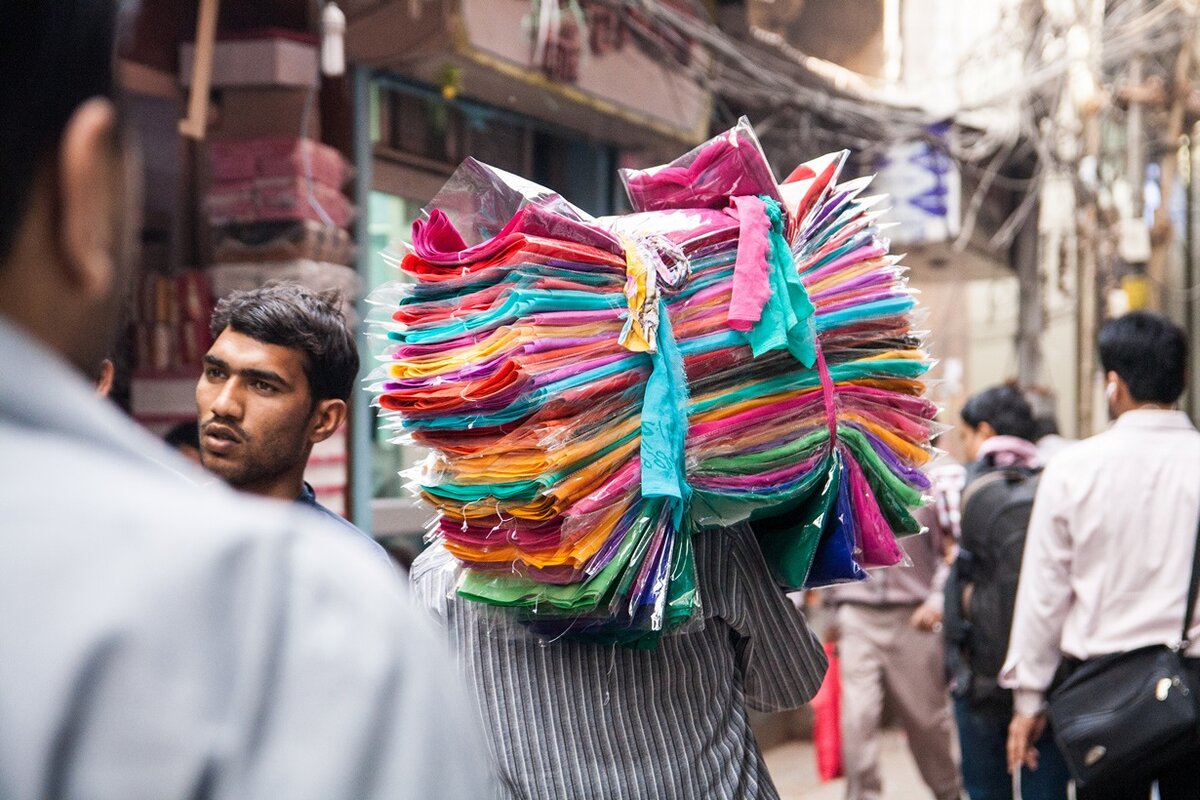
(878, 543)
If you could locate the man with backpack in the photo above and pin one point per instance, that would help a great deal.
(997, 431)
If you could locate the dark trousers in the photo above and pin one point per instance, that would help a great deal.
(983, 739)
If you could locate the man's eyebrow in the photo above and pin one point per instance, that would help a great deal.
(264, 375)
(249, 373)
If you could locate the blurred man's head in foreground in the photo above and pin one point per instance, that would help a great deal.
(70, 195)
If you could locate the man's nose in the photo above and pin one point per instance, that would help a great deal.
(228, 402)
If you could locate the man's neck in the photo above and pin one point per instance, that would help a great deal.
(283, 487)
(1147, 407)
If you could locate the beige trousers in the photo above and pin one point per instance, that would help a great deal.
(885, 659)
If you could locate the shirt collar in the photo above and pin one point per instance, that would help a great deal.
(1144, 418)
(307, 496)
(54, 397)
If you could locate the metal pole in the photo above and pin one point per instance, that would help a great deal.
(1135, 162)
(1031, 321)
(361, 435)
(1089, 243)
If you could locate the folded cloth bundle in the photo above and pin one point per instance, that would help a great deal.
(592, 391)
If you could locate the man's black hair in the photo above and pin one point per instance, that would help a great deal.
(54, 56)
(288, 315)
(1044, 426)
(1149, 353)
(1004, 408)
(184, 433)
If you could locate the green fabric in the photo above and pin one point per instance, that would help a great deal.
(894, 496)
(789, 547)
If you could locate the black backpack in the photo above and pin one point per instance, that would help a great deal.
(982, 588)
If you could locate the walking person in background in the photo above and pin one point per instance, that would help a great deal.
(1110, 543)
(997, 429)
(888, 632)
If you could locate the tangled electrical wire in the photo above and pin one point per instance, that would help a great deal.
(1021, 118)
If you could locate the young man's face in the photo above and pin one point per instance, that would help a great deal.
(255, 410)
(972, 438)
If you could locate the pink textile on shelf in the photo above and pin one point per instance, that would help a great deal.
(751, 271)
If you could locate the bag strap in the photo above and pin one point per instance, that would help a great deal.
(1193, 591)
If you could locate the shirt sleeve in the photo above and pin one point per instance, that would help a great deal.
(781, 659)
(1044, 596)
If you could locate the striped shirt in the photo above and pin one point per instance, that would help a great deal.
(566, 719)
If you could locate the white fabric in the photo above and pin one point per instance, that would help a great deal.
(160, 639)
(1109, 550)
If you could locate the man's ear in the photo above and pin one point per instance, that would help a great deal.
(327, 417)
(89, 190)
(986, 431)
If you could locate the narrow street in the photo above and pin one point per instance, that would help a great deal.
(793, 765)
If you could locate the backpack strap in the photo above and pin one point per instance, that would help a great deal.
(972, 488)
(982, 482)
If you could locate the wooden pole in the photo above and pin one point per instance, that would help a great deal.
(196, 122)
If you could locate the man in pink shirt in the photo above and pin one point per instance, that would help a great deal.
(1110, 542)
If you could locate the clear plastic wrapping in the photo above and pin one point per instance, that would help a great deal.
(589, 397)
(731, 164)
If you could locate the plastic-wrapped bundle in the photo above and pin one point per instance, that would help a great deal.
(594, 390)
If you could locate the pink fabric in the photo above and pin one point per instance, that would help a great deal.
(751, 271)
(827, 392)
(1009, 451)
(878, 543)
(436, 236)
(865, 253)
(768, 411)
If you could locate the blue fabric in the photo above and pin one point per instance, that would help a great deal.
(834, 560)
(983, 739)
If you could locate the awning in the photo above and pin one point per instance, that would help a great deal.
(617, 89)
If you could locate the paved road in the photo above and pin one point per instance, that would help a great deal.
(793, 765)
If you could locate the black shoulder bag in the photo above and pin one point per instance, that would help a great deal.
(1121, 717)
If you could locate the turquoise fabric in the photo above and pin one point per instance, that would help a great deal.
(664, 421)
(787, 318)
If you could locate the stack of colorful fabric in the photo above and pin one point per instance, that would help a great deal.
(593, 391)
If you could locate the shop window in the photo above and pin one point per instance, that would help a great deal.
(426, 127)
(389, 221)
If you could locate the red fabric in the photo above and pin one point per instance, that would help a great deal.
(827, 720)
